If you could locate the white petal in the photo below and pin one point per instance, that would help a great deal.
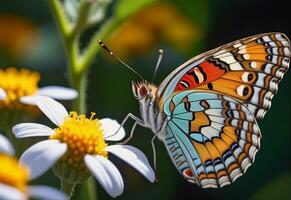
(5, 146)
(55, 111)
(31, 130)
(46, 193)
(29, 100)
(10, 193)
(42, 156)
(58, 92)
(106, 173)
(2, 94)
(112, 130)
(135, 158)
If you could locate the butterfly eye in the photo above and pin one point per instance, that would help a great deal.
(143, 91)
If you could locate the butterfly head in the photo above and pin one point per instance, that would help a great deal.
(144, 89)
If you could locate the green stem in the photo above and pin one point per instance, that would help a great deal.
(78, 78)
(88, 191)
(79, 64)
(67, 188)
(79, 82)
(61, 18)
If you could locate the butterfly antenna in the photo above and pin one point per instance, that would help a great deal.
(161, 53)
(118, 59)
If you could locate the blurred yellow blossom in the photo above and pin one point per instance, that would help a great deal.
(16, 84)
(12, 173)
(18, 35)
(18, 87)
(14, 177)
(159, 22)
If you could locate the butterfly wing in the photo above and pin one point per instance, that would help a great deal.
(212, 139)
(248, 70)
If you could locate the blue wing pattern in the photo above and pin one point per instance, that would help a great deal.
(212, 139)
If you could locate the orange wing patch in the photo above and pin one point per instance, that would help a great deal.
(202, 151)
(231, 88)
(199, 121)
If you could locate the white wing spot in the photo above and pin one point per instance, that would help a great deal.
(274, 59)
(237, 45)
(285, 62)
(268, 68)
(242, 47)
(272, 44)
(254, 64)
(227, 57)
(287, 51)
(285, 43)
(244, 77)
(240, 90)
(246, 56)
(235, 66)
(275, 51)
(279, 37)
(219, 52)
(266, 39)
(242, 51)
(199, 75)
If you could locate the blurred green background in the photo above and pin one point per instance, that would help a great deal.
(29, 38)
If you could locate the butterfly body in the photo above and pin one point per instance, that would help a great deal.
(206, 110)
(151, 114)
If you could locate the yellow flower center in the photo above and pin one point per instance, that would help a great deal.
(12, 173)
(83, 136)
(16, 84)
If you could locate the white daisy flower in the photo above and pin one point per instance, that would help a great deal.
(17, 87)
(77, 148)
(14, 178)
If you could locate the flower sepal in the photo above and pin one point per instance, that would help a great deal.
(76, 173)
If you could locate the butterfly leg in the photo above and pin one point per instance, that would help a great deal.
(154, 156)
(132, 116)
(131, 133)
(137, 121)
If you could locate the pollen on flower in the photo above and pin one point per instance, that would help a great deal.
(83, 136)
(16, 84)
(12, 173)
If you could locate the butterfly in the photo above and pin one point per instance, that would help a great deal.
(206, 110)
